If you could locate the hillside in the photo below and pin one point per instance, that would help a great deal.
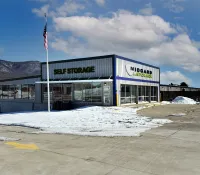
(10, 69)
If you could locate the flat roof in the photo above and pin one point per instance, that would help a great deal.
(21, 78)
(101, 57)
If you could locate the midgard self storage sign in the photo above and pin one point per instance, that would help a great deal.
(79, 70)
(135, 71)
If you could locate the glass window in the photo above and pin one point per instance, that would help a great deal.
(56, 92)
(5, 91)
(123, 94)
(18, 91)
(67, 92)
(12, 92)
(24, 91)
(78, 96)
(96, 92)
(133, 94)
(87, 92)
(147, 92)
(1, 92)
(31, 91)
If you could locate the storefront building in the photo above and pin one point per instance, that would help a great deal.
(109, 80)
(106, 80)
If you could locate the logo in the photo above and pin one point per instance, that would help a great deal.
(135, 71)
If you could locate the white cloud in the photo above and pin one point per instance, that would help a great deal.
(100, 2)
(40, 12)
(148, 10)
(149, 38)
(69, 7)
(175, 6)
(175, 77)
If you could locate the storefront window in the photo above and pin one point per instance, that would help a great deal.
(96, 92)
(128, 94)
(24, 91)
(87, 92)
(78, 92)
(5, 91)
(18, 91)
(31, 91)
(56, 92)
(0, 92)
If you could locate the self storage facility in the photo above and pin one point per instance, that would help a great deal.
(109, 80)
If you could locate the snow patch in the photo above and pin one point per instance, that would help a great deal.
(93, 121)
(178, 114)
(8, 139)
(183, 100)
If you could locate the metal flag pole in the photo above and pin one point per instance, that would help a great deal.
(47, 52)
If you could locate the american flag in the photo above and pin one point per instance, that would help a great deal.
(45, 37)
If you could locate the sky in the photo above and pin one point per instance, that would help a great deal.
(164, 33)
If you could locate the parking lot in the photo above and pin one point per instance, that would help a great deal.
(173, 149)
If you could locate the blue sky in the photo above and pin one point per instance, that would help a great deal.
(165, 33)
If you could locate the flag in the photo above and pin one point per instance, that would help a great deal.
(45, 37)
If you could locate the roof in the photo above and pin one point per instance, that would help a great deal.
(21, 78)
(166, 85)
(101, 57)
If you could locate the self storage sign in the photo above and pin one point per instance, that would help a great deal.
(79, 70)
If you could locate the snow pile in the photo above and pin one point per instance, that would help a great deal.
(165, 102)
(8, 139)
(183, 100)
(93, 121)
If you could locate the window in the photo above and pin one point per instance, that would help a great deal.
(78, 95)
(18, 91)
(24, 91)
(31, 91)
(96, 92)
(0, 92)
(128, 94)
(87, 92)
(5, 91)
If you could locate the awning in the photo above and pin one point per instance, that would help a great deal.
(76, 81)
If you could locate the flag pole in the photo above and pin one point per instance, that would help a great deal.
(47, 54)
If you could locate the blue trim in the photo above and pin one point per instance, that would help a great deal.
(138, 80)
(114, 80)
(134, 61)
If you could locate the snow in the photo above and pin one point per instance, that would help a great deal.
(92, 121)
(178, 114)
(8, 139)
(183, 100)
(165, 102)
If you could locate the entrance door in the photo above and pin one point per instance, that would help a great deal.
(67, 93)
(107, 94)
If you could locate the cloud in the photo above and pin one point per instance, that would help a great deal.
(148, 10)
(147, 38)
(69, 7)
(175, 77)
(100, 2)
(175, 6)
(40, 12)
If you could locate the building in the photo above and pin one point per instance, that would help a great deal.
(109, 80)
(169, 92)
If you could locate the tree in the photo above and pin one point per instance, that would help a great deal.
(184, 84)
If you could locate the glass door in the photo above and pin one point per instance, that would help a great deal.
(107, 94)
(67, 92)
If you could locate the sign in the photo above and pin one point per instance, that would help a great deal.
(78, 70)
(135, 71)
